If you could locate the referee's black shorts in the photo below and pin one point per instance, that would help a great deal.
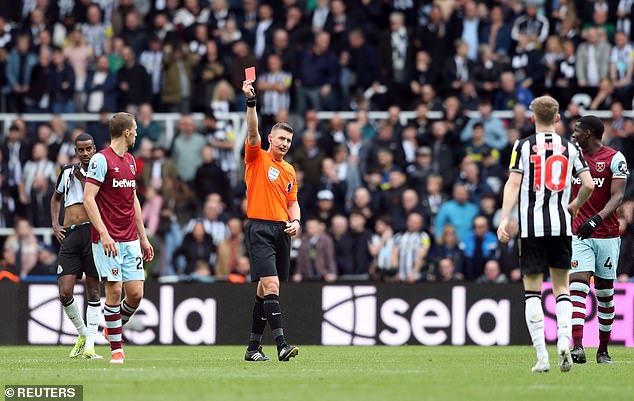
(269, 249)
(75, 254)
(537, 254)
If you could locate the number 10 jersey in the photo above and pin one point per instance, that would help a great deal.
(547, 162)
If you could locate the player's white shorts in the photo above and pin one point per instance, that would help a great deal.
(597, 255)
(126, 266)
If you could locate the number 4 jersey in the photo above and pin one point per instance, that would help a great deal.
(605, 165)
(547, 163)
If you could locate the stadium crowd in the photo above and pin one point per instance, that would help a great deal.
(390, 200)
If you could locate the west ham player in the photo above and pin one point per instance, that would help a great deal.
(120, 244)
(541, 169)
(75, 254)
(596, 248)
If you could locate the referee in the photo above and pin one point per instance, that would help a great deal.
(273, 218)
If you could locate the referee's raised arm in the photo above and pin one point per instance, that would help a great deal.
(253, 136)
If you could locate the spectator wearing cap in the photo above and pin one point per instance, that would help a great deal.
(325, 206)
(494, 132)
(418, 172)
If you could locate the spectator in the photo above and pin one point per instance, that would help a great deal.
(381, 247)
(197, 246)
(492, 274)
(210, 178)
(622, 67)
(470, 177)
(459, 69)
(534, 26)
(412, 247)
(511, 93)
(342, 242)
(147, 127)
(487, 71)
(213, 219)
(135, 85)
(187, 148)
(527, 64)
(497, 33)
(38, 167)
(458, 212)
(38, 96)
(604, 97)
(152, 60)
(231, 250)
(101, 88)
(480, 246)
(274, 89)
(243, 57)
(316, 77)
(316, 256)
(446, 272)
(157, 169)
(396, 51)
(448, 246)
(133, 32)
(95, 31)
(566, 75)
(63, 90)
(434, 38)
(210, 70)
(309, 158)
(23, 245)
(494, 132)
(508, 253)
(360, 257)
(593, 60)
(178, 65)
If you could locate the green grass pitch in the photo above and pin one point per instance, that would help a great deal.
(322, 373)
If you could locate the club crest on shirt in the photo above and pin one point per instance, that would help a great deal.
(116, 169)
(600, 166)
(133, 169)
(115, 272)
(574, 263)
(273, 173)
(289, 186)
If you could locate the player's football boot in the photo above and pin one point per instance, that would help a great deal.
(117, 357)
(578, 354)
(89, 353)
(565, 360)
(256, 355)
(80, 343)
(541, 366)
(603, 357)
(287, 352)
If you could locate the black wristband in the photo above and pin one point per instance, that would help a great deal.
(251, 101)
(297, 220)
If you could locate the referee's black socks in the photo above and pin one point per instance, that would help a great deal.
(273, 314)
(258, 324)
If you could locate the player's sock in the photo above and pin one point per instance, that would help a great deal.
(605, 299)
(126, 312)
(535, 321)
(564, 325)
(273, 314)
(258, 324)
(578, 293)
(112, 313)
(92, 322)
(72, 311)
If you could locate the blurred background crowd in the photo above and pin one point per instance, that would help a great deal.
(391, 199)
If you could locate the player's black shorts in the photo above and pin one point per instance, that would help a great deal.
(269, 249)
(75, 254)
(539, 253)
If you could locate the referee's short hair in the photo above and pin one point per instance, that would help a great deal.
(283, 126)
(545, 109)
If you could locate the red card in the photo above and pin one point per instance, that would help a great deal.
(249, 73)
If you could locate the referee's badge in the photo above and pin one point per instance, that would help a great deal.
(273, 173)
(600, 166)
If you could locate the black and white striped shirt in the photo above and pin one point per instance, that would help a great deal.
(547, 163)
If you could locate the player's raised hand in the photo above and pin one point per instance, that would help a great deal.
(147, 250)
(109, 247)
(503, 235)
(247, 88)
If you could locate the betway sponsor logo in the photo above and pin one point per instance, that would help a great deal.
(123, 183)
(598, 182)
(352, 316)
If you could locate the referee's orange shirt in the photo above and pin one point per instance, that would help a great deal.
(271, 184)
